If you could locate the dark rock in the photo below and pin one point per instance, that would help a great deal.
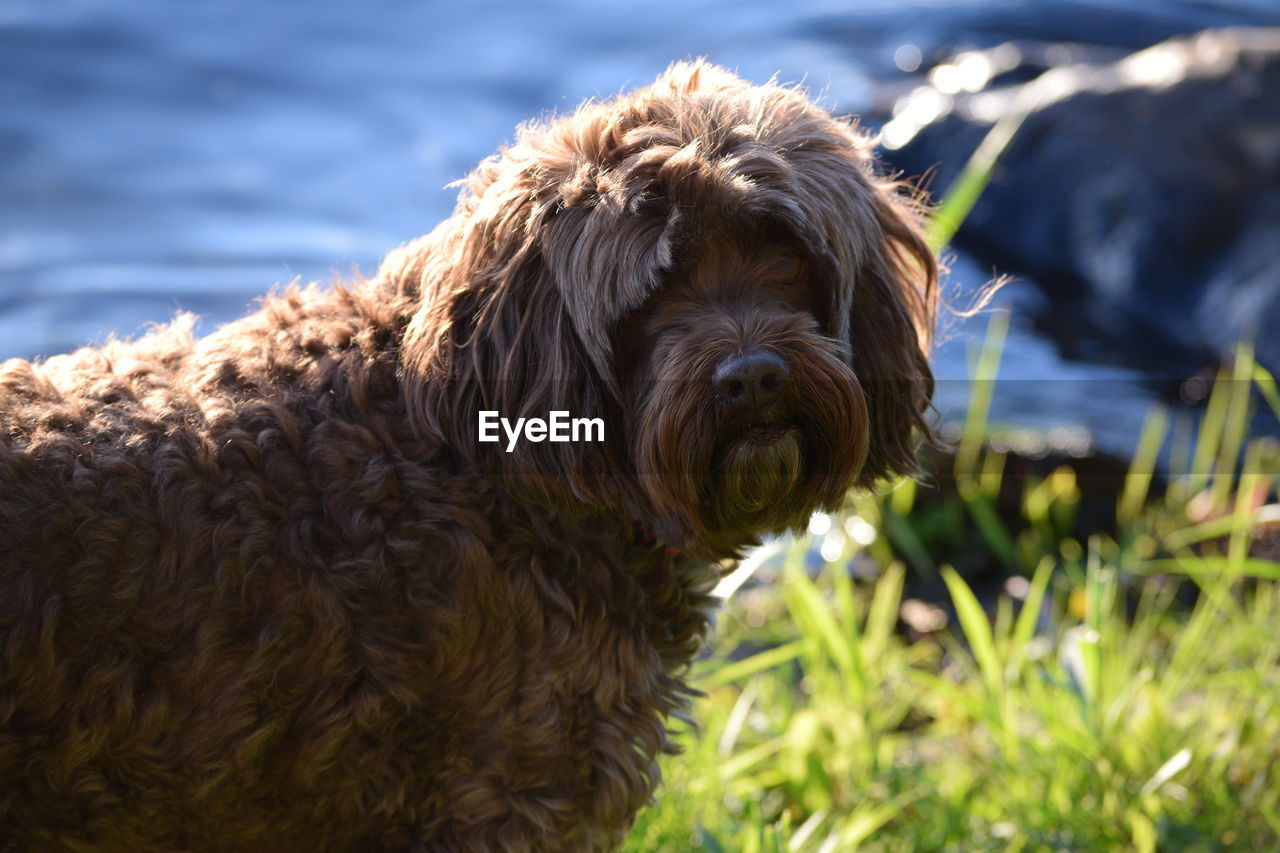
(1142, 195)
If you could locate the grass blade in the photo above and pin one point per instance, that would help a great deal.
(976, 627)
(746, 667)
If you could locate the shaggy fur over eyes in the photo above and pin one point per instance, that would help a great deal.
(267, 590)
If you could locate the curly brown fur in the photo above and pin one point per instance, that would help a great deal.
(266, 590)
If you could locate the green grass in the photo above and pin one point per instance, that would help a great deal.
(1128, 700)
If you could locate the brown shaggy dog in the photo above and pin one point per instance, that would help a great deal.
(268, 591)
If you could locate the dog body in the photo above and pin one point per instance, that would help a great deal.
(267, 589)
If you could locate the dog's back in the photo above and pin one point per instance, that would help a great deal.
(196, 570)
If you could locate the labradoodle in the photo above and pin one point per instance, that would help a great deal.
(338, 576)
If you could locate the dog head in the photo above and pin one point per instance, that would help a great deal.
(712, 267)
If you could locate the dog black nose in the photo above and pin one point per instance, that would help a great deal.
(751, 380)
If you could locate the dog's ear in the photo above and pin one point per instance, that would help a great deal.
(865, 232)
(891, 321)
(605, 258)
(514, 319)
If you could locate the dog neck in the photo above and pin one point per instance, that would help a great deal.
(645, 538)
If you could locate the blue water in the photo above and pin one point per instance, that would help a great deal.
(157, 156)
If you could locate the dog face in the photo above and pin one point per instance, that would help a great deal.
(741, 408)
(711, 267)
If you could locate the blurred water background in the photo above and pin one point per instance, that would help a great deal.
(157, 156)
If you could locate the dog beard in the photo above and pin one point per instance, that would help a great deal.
(753, 475)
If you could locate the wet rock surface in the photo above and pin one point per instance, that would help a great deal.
(1141, 195)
